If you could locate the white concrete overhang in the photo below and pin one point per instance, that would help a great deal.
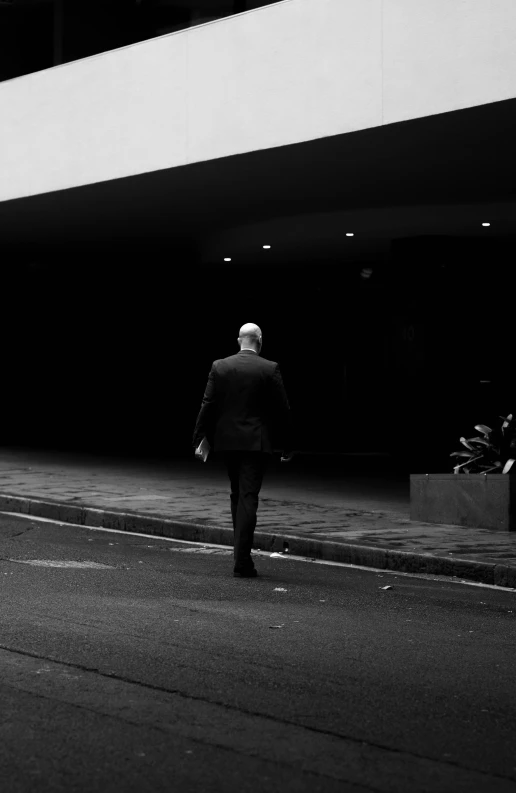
(445, 174)
(290, 74)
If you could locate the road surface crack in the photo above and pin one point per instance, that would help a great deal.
(242, 711)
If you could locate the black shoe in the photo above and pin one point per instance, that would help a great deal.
(249, 572)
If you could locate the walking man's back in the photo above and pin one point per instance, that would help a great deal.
(244, 411)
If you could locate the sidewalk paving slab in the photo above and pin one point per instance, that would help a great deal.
(322, 512)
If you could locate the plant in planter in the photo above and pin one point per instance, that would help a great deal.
(492, 452)
(478, 497)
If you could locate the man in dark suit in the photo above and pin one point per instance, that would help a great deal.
(243, 405)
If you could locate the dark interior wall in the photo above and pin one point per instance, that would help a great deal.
(117, 352)
(116, 355)
(452, 363)
(112, 352)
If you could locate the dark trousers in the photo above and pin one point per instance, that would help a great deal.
(246, 471)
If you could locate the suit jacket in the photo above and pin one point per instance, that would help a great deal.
(245, 406)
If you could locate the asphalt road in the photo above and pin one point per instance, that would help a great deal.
(156, 670)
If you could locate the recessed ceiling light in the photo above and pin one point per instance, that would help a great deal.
(266, 247)
(486, 224)
(227, 259)
(349, 234)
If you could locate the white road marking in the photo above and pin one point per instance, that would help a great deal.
(62, 563)
(221, 550)
(257, 552)
(135, 498)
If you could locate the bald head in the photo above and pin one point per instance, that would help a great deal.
(250, 336)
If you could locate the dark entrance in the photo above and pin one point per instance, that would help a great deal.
(111, 352)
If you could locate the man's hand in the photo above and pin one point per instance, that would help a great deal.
(286, 458)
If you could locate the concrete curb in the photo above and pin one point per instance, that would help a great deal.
(347, 553)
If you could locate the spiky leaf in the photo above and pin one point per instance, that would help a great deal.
(483, 428)
(467, 463)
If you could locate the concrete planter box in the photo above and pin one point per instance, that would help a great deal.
(486, 501)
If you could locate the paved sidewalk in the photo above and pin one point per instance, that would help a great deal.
(322, 511)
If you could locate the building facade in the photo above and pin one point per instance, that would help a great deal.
(340, 172)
